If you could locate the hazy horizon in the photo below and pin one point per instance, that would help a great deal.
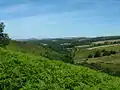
(69, 37)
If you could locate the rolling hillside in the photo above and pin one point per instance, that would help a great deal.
(28, 72)
(81, 54)
(57, 52)
(34, 49)
(109, 64)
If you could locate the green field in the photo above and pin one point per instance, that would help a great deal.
(111, 62)
(113, 59)
(34, 49)
(82, 54)
(25, 72)
(115, 47)
(31, 66)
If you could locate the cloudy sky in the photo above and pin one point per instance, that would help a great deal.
(60, 18)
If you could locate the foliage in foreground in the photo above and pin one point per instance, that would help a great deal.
(24, 72)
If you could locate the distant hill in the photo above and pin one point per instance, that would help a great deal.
(26, 39)
(73, 41)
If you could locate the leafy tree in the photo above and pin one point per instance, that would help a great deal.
(4, 38)
(97, 54)
(69, 56)
(103, 50)
(106, 43)
(107, 53)
(90, 55)
(113, 52)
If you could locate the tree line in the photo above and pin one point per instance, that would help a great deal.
(100, 53)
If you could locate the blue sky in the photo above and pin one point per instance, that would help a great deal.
(60, 18)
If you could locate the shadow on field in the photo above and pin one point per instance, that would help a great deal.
(97, 66)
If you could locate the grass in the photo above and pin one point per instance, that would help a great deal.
(115, 47)
(112, 67)
(111, 62)
(19, 71)
(117, 40)
(82, 54)
(113, 59)
(34, 49)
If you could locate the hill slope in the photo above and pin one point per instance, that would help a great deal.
(109, 64)
(37, 50)
(24, 72)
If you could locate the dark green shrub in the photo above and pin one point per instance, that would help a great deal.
(97, 54)
(90, 55)
(103, 50)
(107, 53)
(113, 52)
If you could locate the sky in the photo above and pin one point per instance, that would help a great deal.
(60, 18)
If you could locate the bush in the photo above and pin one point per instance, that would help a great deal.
(107, 53)
(97, 54)
(68, 59)
(103, 50)
(113, 52)
(90, 56)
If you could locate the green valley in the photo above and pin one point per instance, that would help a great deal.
(60, 63)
